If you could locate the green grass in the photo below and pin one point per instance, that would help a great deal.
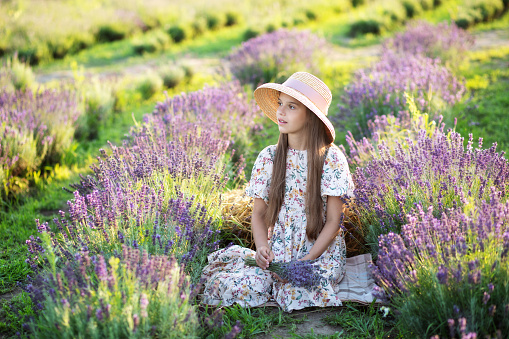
(217, 44)
(256, 321)
(485, 113)
(17, 223)
(363, 321)
(120, 54)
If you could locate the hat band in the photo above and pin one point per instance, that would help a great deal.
(309, 92)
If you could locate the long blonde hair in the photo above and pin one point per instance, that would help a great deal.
(316, 145)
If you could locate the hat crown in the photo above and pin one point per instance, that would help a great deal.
(303, 86)
(316, 84)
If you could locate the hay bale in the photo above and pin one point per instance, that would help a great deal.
(237, 208)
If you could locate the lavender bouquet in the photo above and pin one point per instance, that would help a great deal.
(299, 273)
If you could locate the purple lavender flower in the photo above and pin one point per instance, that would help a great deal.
(236, 329)
(444, 40)
(46, 117)
(380, 89)
(301, 273)
(275, 56)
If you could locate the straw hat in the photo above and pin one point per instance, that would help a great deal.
(305, 87)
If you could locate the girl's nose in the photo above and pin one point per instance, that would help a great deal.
(280, 110)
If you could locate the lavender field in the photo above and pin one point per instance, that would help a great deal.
(149, 144)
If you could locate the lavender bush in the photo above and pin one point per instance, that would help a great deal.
(15, 75)
(387, 130)
(37, 129)
(434, 170)
(131, 295)
(450, 276)
(274, 56)
(146, 220)
(226, 107)
(445, 41)
(160, 191)
(380, 89)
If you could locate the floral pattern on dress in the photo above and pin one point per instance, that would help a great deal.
(229, 281)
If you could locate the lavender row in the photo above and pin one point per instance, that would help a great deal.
(37, 129)
(444, 41)
(449, 276)
(132, 294)
(433, 171)
(380, 89)
(159, 192)
(273, 57)
(161, 188)
(418, 62)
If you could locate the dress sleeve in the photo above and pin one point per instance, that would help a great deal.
(336, 177)
(259, 184)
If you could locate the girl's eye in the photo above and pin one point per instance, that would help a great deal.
(279, 103)
(292, 107)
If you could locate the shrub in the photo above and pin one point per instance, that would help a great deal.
(199, 26)
(435, 170)
(160, 190)
(226, 106)
(412, 7)
(151, 42)
(215, 20)
(428, 4)
(395, 11)
(380, 89)
(448, 276)
(300, 19)
(111, 32)
(188, 71)
(476, 11)
(365, 26)
(149, 84)
(37, 129)
(16, 75)
(99, 101)
(172, 75)
(275, 56)
(178, 33)
(232, 18)
(34, 52)
(445, 41)
(251, 33)
(131, 295)
(311, 15)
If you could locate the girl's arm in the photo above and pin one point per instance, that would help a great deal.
(264, 254)
(330, 229)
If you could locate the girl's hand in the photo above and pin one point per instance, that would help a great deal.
(264, 257)
(306, 257)
(278, 278)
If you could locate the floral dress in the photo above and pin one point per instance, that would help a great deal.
(228, 280)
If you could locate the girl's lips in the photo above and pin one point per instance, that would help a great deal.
(279, 121)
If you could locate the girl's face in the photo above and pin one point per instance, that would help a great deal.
(292, 117)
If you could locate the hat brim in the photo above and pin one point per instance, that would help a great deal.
(267, 96)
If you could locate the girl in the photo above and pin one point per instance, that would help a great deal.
(296, 186)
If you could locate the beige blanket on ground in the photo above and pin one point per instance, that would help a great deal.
(358, 283)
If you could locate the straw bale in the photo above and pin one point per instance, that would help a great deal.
(237, 208)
